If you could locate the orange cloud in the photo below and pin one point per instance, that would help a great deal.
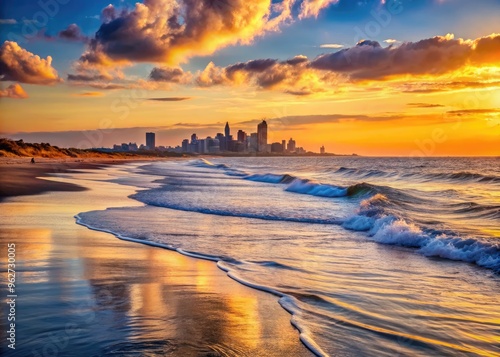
(17, 64)
(14, 91)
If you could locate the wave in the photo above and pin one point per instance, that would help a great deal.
(151, 198)
(384, 214)
(393, 229)
(308, 187)
(313, 188)
(475, 210)
(461, 176)
(227, 169)
(295, 184)
(271, 178)
(365, 173)
(466, 176)
(206, 163)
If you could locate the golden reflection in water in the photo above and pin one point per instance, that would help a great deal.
(189, 288)
(33, 248)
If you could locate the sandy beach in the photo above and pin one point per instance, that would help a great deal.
(87, 293)
(19, 177)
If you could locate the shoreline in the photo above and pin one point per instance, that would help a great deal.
(172, 302)
(18, 177)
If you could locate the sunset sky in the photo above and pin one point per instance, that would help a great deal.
(372, 77)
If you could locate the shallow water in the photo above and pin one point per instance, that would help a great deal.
(373, 257)
(86, 293)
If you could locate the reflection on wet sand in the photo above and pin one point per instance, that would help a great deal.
(86, 293)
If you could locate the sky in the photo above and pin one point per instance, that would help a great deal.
(372, 77)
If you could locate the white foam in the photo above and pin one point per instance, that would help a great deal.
(359, 223)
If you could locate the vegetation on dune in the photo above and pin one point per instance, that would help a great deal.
(18, 148)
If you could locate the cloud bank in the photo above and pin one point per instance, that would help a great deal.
(367, 61)
(433, 56)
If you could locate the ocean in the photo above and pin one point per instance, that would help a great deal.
(371, 256)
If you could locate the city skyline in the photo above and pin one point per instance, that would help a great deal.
(220, 143)
(256, 142)
(367, 77)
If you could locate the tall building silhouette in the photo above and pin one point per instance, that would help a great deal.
(262, 136)
(150, 141)
(227, 131)
(242, 136)
(291, 146)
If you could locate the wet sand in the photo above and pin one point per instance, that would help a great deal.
(19, 177)
(87, 293)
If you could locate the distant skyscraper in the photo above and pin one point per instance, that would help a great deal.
(253, 142)
(283, 143)
(194, 139)
(242, 136)
(322, 150)
(150, 141)
(227, 131)
(262, 136)
(185, 145)
(222, 141)
(291, 145)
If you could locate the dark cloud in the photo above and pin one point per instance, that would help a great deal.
(298, 92)
(168, 74)
(464, 112)
(107, 86)
(297, 60)
(424, 91)
(424, 105)
(87, 77)
(256, 66)
(73, 33)
(170, 99)
(434, 56)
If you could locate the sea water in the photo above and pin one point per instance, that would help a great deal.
(371, 256)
